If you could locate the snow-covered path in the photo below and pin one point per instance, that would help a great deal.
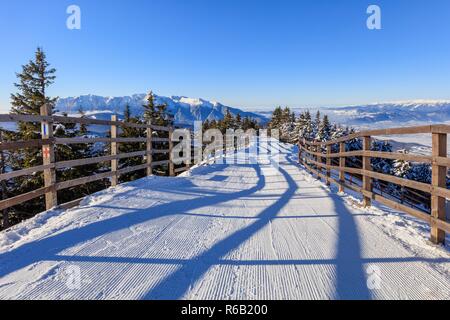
(223, 232)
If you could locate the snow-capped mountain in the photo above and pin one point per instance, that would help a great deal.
(421, 111)
(386, 114)
(185, 110)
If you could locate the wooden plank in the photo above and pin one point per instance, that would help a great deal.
(114, 152)
(440, 128)
(132, 169)
(439, 180)
(131, 140)
(160, 128)
(387, 132)
(395, 131)
(82, 162)
(398, 206)
(11, 202)
(400, 181)
(48, 158)
(116, 123)
(131, 154)
(98, 140)
(15, 145)
(398, 156)
(345, 169)
(77, 182)
(24, 118)
(441, 161)
(80, 140)
(357, 153)
(161, 151)
(440, 192)
(25, 172)
(161, 140)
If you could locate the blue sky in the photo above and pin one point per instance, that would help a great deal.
(248, 53)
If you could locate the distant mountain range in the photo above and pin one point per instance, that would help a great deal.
(185, 110)
(387, 114)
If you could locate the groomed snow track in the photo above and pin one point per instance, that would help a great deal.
(224, 231)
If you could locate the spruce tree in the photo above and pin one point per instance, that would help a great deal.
(324, 133)
(35, 78)
(31, 95)
(131, 132)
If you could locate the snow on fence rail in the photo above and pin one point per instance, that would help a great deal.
(50, 165)
(312, 153)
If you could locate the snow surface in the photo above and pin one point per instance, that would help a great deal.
(224, 231)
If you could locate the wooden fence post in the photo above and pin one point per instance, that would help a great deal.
(439, 177)
(48, 156)
(328, 161)
(299, 151)
(189, 154)
(171, 165)
(318, 160)
(114, 152)
(341, 167)
(5, 212)
(367, 181)
(149, 149)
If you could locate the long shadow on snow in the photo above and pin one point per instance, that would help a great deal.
(350, 282)
(176, 285)
(48, 248)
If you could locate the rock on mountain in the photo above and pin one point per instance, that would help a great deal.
(185, 110)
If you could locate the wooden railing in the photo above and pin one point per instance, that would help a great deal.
(50, 165)
(312, 153)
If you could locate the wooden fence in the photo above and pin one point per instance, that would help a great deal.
(313, 153)
(49, 166)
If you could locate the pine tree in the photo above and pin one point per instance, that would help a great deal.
(324, 132)
(157, 114)
(228, 122)
(316, 124)
(238, 121)
(306, 127)
(131, 132)
(35, 78)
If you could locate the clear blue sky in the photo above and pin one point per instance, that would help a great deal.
(250, 53)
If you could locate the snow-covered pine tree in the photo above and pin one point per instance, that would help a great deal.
(324, 132)
(130, 132)
(316, 124)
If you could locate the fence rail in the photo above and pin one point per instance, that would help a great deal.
(312, 154)
(50, 165)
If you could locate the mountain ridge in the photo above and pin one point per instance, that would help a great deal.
(184, 109)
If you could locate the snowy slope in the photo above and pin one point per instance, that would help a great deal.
(186, 110)
(223, 232)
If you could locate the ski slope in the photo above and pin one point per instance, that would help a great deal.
(224, 231)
